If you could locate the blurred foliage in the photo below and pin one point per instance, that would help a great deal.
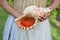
(55, 24)
(11, 2)
(3, 18)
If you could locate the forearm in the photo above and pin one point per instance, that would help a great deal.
(9, 9)
(0, 4)
(54, 4)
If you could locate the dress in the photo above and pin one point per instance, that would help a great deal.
(40, 32)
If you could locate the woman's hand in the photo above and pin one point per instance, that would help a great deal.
(43, 16)
(43, 13)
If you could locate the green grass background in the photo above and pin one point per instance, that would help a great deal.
(3, 18)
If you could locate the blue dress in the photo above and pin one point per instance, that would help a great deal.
(40, 32)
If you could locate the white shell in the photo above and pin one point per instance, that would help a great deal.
(30, 9)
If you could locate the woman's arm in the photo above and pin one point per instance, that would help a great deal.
(54, 4)
(9, 9)
(0, 3)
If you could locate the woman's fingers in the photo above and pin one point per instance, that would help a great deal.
(40, 19)
(46, 15)
(43, 16)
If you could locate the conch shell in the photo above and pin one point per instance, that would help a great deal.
(28, 12)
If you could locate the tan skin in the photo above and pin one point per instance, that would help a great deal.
(4, 4)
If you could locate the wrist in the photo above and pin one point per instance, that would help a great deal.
(17, 15)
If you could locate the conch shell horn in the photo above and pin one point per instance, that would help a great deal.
(28, 12)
